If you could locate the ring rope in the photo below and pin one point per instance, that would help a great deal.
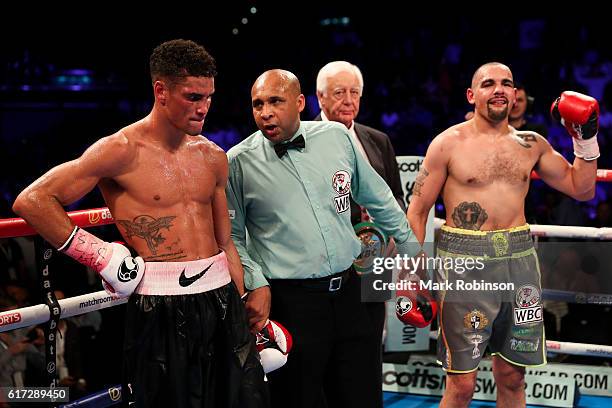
(603, 175)
(28, 316)
(73, 306)
(101, 399)
(558, 231)
(577, 297)
(562, 347)
(18, 227)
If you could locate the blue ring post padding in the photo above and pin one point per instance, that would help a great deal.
(101, 399)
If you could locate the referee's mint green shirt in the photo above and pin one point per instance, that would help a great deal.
(295, 210)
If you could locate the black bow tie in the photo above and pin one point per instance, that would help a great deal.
(297, 143)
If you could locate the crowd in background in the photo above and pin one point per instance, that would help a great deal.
(417, 73)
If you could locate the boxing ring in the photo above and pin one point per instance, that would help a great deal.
(54, 310)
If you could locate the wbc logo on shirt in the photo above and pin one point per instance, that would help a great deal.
(341, 183)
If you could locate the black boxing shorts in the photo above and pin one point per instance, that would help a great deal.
(187, 340)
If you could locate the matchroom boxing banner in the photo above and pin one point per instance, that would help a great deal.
(402, 337)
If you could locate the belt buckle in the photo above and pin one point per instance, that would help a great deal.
(332, 283)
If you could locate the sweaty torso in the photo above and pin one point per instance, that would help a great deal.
(162, 203)
(488, 178)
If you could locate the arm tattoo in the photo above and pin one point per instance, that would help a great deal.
(419, 181)
(524, 138)
(469, 216)
(147, 228)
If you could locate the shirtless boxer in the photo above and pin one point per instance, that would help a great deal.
(482, 169)
(187, 339)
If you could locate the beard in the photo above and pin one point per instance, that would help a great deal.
(497, 115)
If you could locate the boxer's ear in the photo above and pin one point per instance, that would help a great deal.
(160, 91)
(469, 93)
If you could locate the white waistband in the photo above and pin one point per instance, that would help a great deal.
(183, 278)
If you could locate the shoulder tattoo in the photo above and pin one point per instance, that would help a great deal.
(526, 139)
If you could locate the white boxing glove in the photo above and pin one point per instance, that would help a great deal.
(121, 272)
(274, 343)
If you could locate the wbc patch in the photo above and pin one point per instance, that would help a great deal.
(527, 296)
(529, 309)
(341, 183)
(526, 315)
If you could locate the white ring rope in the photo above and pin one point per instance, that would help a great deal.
(28, 316)
(562, 347)
(77, 305)
(32, 315)
(558, 231)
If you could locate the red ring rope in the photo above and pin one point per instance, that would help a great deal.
(17, 227)
(603, 175)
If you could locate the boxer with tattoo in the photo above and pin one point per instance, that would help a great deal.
(482, 167)
(187, 340)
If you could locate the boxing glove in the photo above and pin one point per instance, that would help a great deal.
(274, 343)
(120, 270)
(415, 306)
(579, 114)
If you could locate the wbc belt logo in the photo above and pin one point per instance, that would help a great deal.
(373, 245)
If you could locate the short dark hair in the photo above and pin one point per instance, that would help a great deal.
(177, 59)
(519, 85)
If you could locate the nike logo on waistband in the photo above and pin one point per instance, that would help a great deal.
(185, 281)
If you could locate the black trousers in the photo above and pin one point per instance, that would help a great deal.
(336, 359)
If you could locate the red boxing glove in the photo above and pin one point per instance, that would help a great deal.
(274, 343)
(579, 114)
(415, 307)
